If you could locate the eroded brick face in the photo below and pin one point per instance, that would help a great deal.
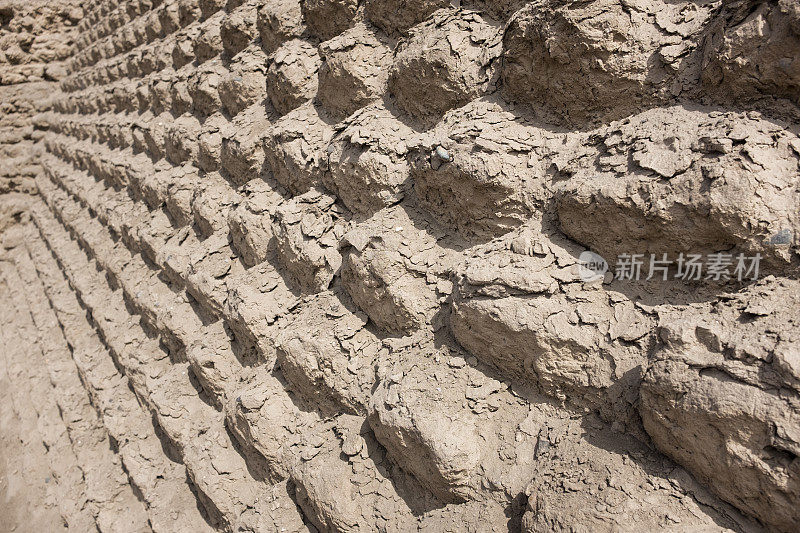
(318, 265)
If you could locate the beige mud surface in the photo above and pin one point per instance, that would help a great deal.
(24, 474)
(319, 265)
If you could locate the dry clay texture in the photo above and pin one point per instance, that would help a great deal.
(313, 265)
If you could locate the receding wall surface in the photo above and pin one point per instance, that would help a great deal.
(399, 265)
